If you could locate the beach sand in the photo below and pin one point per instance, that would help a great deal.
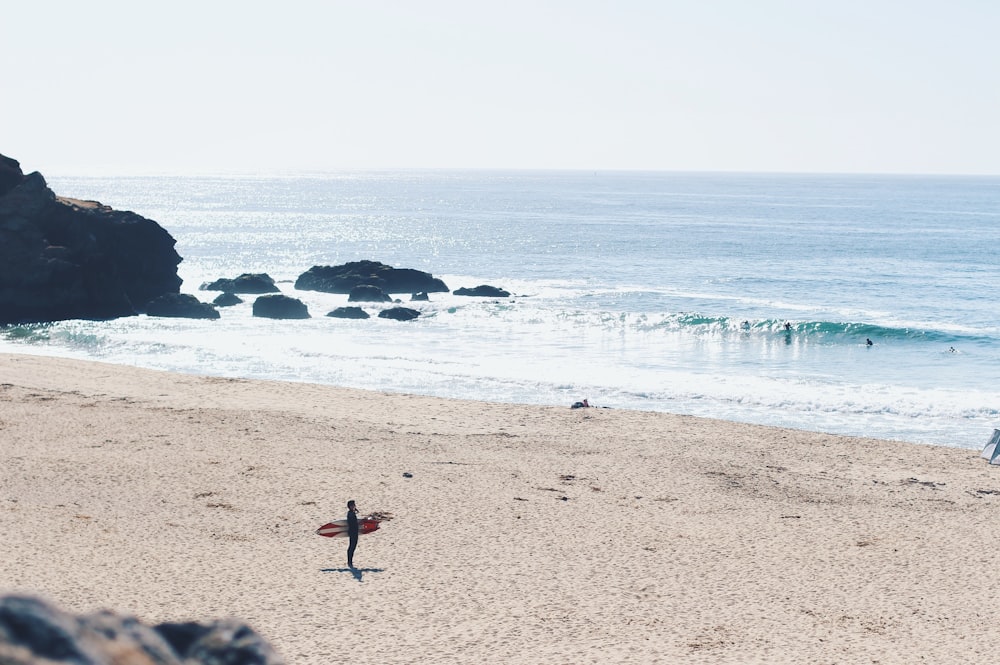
(525, 534)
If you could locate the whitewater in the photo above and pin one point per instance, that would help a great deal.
(747, 297)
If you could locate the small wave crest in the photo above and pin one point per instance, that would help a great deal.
(850, 332)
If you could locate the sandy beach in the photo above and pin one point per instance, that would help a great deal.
(520, 534)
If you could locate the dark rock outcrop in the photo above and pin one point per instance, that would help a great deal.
(368, 293)
(422, 296)
(245, 283)
(227, 300)
(343, 278)
(399, 314)
(483, 290)
(180, 305)
(349, 313)
(63, 258)
(220, 643)
(34, 631)
(280, 307)
(10, 174)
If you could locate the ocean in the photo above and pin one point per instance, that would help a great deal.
(746, 297)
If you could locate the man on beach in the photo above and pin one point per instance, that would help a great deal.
(352, 531)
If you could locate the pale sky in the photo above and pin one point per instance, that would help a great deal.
(850, 86)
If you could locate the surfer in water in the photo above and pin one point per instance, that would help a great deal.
(352, 531)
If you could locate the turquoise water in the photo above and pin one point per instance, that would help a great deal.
(656, 291)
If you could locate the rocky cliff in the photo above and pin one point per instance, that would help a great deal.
(63, 258)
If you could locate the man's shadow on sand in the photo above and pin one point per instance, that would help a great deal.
(356, 572)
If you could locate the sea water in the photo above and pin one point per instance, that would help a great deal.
(744, 297)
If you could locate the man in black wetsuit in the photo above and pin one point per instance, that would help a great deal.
(352, 531)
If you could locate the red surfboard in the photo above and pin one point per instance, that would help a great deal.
(338, 528)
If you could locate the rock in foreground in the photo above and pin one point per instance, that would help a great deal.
(33, 632)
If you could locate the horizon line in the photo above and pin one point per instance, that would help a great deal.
(306, 172)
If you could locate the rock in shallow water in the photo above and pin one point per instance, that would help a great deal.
(343, 278)
(180, 305)
(280, 307)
